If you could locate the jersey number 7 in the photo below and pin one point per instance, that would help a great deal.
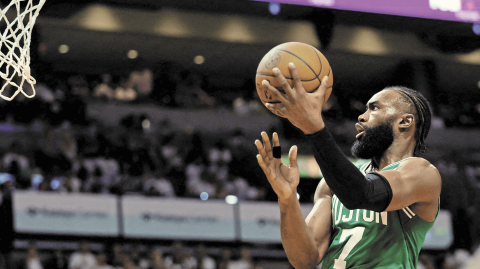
(356, 235)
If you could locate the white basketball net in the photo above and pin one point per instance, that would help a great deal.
(15, 47)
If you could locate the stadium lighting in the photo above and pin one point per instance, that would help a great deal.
(274, 8)
(199, 59)
(231, 199)
(476, 28)
(204, 196)
(63, 48)
(146, 124)
(132, 54)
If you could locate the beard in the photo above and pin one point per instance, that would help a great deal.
(374, 142)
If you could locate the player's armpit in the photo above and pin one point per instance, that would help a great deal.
(415, 181)
(319, 220)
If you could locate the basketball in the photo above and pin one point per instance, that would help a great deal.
(310, 63)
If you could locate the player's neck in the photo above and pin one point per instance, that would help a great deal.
(398, 151)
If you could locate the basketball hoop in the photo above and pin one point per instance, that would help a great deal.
(15, 46)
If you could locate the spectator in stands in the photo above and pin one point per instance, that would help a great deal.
(135, 157)
(179, 258)
(425, 262)
(244, 191)
(198, 179)
(189, 92)
(83, 258)
(7, 232)
(33, 259)
(189, 261)
(68, 144)
(18, 175)
(45, 185)
(17, 163)
(458, 259)
(155, 260)
(70, 184)
(94, 182)
(135, 255)
(219, 157)
(472, 261)
(79, 85)
(141, 79)
(105, 90)
(203, 261)
(128, 263)
(42, 92)
(15, 152)
(245, 261)
(157, 185)
(455, 198)
(58, 261)
(225, 259)
(74, 109)
(101, 262)
(124, 91)
(116, 256)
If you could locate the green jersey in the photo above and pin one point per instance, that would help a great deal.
(366, 239)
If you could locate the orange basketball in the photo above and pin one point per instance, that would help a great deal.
(311, 65)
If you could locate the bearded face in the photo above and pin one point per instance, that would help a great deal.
(374, 142)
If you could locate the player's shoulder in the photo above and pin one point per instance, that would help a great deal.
(421, 167)
(417, 162)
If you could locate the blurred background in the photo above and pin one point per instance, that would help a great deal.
(138, 149)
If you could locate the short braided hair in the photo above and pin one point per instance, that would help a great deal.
(417, 105)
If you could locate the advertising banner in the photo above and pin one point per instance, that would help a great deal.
(177, 218)
(65, 214)
(260, 221)
(451, 10)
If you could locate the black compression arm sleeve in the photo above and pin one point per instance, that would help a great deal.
(345, 180)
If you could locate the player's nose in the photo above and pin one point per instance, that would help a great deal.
(362, 117)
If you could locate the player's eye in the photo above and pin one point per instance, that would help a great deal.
(372, 107)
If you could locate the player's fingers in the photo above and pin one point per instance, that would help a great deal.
(262, 164)
(292, 156)
(277, 109)
(297, 81)
(323, 87)
(276, 141)
(267, 146)
(275, 92)
(283, 81)
(260, 148)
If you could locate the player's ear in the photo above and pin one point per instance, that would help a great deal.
(407, 121)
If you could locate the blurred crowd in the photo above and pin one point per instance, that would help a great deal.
(118, 256)
(126, 159)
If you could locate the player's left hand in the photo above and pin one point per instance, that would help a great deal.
(302, 109)
(283, 179)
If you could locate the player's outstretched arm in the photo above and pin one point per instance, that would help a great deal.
(305, 242)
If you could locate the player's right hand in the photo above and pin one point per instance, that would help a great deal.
(284, 179)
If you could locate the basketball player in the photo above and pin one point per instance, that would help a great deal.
(374, 216)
